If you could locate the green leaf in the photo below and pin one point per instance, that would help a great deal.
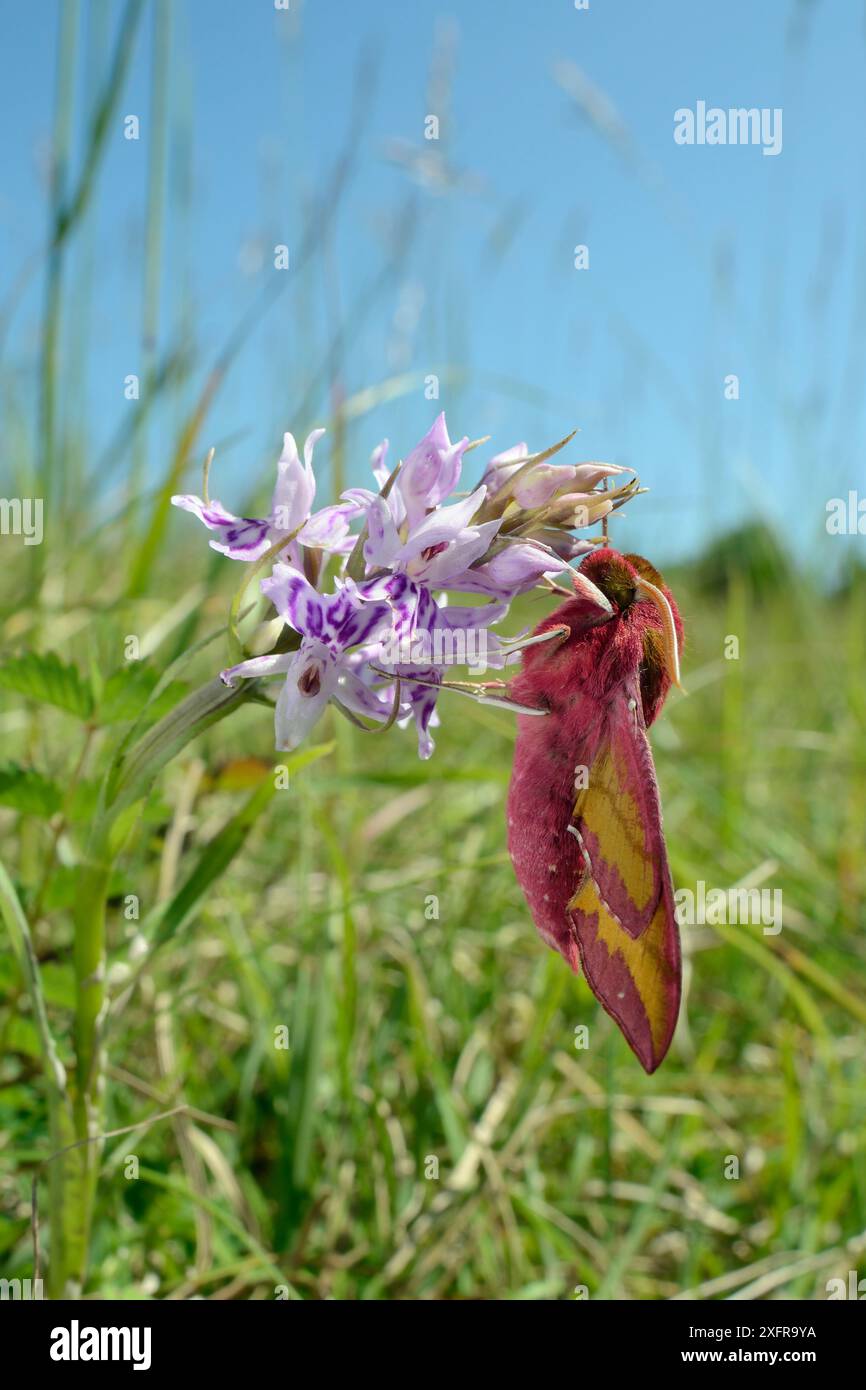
(42, 676)
(25, 789)
(126, 691)
(136, 766)
(29, 791)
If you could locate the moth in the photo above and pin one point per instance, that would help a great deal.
(584, 818)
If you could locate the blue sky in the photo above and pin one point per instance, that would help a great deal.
(704, 261)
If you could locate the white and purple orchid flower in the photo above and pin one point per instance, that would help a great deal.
(388, 619)
(412, 561)
(249, 538)
(443, 637)
(322, 668)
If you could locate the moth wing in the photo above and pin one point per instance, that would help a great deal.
(623, 908)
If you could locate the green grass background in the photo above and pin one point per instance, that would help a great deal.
(422, 1044)
(431, 1130)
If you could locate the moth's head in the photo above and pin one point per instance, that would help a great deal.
(629, 588)
(621, 619)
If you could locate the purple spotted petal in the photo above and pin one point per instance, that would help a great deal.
(422, 708)
(426, 610)
(339, 620)
(461, 636)
(239, 537)
(296, 600)
(350, 619)
(402, 596)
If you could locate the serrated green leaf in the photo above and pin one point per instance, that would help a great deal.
(42, 676)
(128, 691)
(125, 692)
(25, 789)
